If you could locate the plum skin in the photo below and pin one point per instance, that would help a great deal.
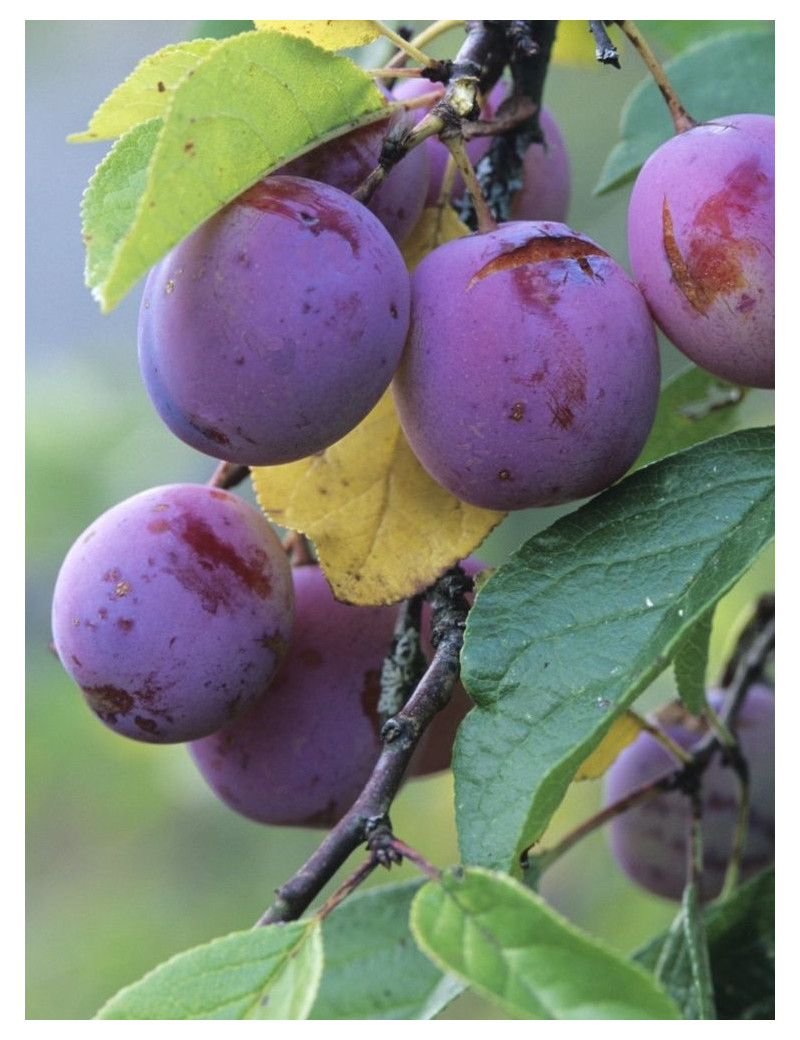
(531, 372)
(272, 330)
(701, 238)
(303, 753)
(172, 612)
(649, 841)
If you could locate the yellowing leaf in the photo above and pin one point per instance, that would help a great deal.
(146, 92)
(333, 35)
(434, 227)
(382, 527)
(575, 44)
(623, 732)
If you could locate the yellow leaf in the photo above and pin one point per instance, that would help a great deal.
(382, 527)
(623, 732)
(575, 45)
(332, 35)
(435, 226)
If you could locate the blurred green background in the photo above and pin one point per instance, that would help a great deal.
(129, 856)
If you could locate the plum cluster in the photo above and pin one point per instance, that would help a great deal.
(525, 370)
(179, 616)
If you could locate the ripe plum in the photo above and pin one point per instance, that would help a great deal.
(172, 612)
(701, 235)
(272, 330)
(650, 841)
(531, 372)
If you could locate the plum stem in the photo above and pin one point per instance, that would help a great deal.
(412, 50)
(227, 475)
(368, 815)
(680, 117)
(458, 153)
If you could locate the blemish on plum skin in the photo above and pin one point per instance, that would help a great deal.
(146, 725)
(517, 412)
(294, 201)
(108, 701)
(712, 265)
(504, 474)
(276, 643)
(125, 624)
(211, 554)
(540, 250)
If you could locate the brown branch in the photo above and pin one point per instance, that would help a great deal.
(370, 812)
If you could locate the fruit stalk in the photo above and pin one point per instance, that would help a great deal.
(680, 117)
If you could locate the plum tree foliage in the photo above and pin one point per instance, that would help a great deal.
(267, 185)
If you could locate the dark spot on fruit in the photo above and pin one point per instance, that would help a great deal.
(189, 147)
(159, 526)
(504, 474)
(393, 310)
(276, 643)
(108, 701)
(146, 725)
(517, 412)
(160, 87)
(212, 433)
(125, 624)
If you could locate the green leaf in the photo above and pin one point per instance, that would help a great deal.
(693, 406)
(683, 967)
(147, 92)
(722, 76)
(257, 100)
(266, 973)
(507, 944)
(741, 948)
(373, 968)
(690, 663)
(584, 616)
